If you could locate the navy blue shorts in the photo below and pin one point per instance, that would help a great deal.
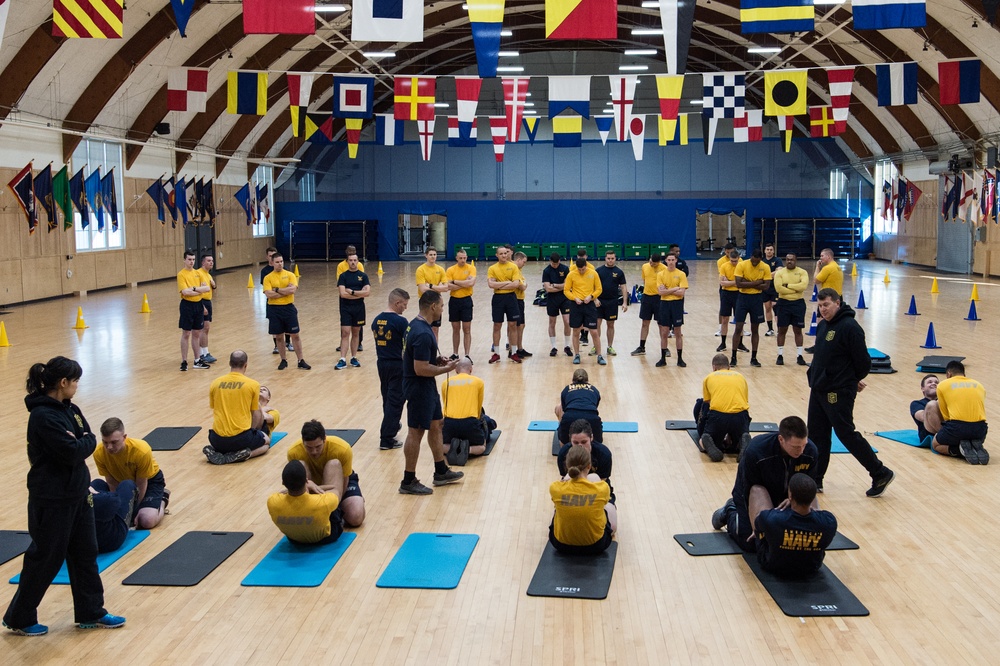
(953, 432)
(248, 439)
(283, 319)
(752, 304)
(671, 313)
(584, 314)
(555, 307)
(155, 486)
(505, 305)
(727, 302)
(608, 310)
(649, 307)
(208, 309)
(593, 549)
(791, 313)
(192, 317)
(460, 309)
(422, 407)
(336, 529)
(352, 313)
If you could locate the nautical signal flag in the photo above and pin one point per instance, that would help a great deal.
(319, 128)
(455, 138)
(581, 19)
(567, 131)
(637, 133)
(723, 95)
(388, 130)
(352, 96)
(569, 92)
(530, 124)
(515, 93)
(100, 19)
(182, 12)
(498, 130)
(247, 93)
(709, 126)
(897, 83)
(299, 92)
(467, 101)
(187, 89)
(668, 89)
(677, 18)
(425, 128)
(786, 124)
(414, 97)
(841, 79)
(622, 99)
(604, 124)
(750, 127)
(821, 122)
(888, 14)
(486, 17)
(674, 132)
(353, 136)
(785, 92)
(776, 16)
(958, 81)
(387, 21)
(279, 17)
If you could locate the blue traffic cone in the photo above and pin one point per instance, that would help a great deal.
(861, 301)
(812, 326)
(973, 316)
(913, 309)
(815, 293)
(931, 342)
(633, 298)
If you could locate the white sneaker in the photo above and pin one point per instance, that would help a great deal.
(769, 334)
(718, 332)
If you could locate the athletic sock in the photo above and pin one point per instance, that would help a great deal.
(781, 351)
(663, 353)
(770, 325)
(569, 340)
(680, 354)
(552, 341)
(441, 467)
(513, 349)
(409, 477)
(799, 350)
(642, 344)
(204, 351)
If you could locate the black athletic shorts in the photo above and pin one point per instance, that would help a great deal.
(208, 309)
(460, 309)
(953, 432)
(505, 305)
(752, 304)
(336, 529)
(727, 302)
(790, 313)
(584, 314)
(593, 549)
(353, 488)
(352, 313)
(248, 439)
(649, 307)
(770, 295)
(608, 311)
(720, 424)
(284, 319)
(671, 313)
(192, 316)
(470, 428)
(556, 306)
(422, 407)
(154, 493)
(520, 308)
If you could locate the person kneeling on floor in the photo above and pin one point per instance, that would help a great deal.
(464, 418)
(962, 404)
(724, 417)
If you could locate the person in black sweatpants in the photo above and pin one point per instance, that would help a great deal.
(389, 328)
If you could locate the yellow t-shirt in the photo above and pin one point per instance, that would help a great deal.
(134, 462)
(580, 517)
(723, 260)
(746, 270)
(506, 272)
(432, 275)
(581, 286)
(276, 280)
(962, 399)
(233, 398)
(727, 391)
(831, 277)
(649, 278)
(269, 428)
(335, 448)
(207, 278)
(524, 283)
(727, 271)
(189, 278)
(343, 266)
(797, 281)
(671, 279)
(460, 273)
(462, 396)
(304, 518)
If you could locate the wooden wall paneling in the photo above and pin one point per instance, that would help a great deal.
(10, 282)
(110, 270)
(40, 277)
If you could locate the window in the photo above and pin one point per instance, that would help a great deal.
(886, 192)
(93, 155)
(263, 178)
(307, 187)
(838, 184)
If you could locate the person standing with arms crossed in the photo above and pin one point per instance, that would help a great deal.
(504, 278)
(280, 287)
(431, 276)
(461, 278)
(649, 306)
(207, 264)
(790, 282)
(341, 267)
(671, 284)
(354, 286)
(389, 328)
(192, 287)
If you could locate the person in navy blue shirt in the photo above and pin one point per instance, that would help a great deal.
(614, 287)
(925, 412)
(581, 434)
(770, 294)
(792, 539)
(579, 400)
(556, 303)
(389, 328)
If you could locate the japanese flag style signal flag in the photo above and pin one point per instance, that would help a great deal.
(785, 92)
(637, 133)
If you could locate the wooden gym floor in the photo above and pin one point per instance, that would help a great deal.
(927, 568)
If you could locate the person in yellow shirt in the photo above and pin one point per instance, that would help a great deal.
(827, 275)
(431, 277)
(192, 287)
(752, 277)
(728, 295)
(582, 288)
(280, 287)
(270, 416)
(341, 267)
(237, 422)
(464, 417)
(584, 521)
(504, 278)
(671, 284)
(121, 458)
(582, 252)
(305, 513)
(649, 305)
(207, 264)
(723, 259)
(461, 279)
(520, 259)
(790, 281)
(962, 404)
(724, 407)
(329, 463)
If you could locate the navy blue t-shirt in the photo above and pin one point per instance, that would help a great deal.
(600, 462)
(420, 345)
(765, 464)
(915, 407)
(555, 275)
(580, 398)
(611, 281)
(682, 266)
(790, 544)
(390, 331)
(356, 280)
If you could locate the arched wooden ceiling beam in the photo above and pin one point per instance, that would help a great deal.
(26, 64)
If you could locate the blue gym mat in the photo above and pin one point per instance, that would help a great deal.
(836, 446)
(908, 437)
(609, 426)
(429, 561)
(293, 565)
(104, 560)
(874, 353)
(277, 437)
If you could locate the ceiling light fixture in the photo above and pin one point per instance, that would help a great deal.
(764, 49)
(329, 9)
(506, 33)
(828, 2)
(508, 54)
(441, 105)
(633, 68)
(511, 69)
(638, 32)
(641, 52)
(372, 55)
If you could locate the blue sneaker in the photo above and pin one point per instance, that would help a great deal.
(341, 364)
(600, 360)
(355, 363)
(109, 621)
(33, 630)
(576, 360)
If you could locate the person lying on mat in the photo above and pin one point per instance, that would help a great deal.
(962, 403)
(581, 436)
(271, 416)
(579, 400)
(304, 512)
(112, 512)
(925, 412)
(237, 423)
(121, 458)
(762, 478)
(329, 464)
(464, 418)
(585, 520)
(792, 539)
(725, 423)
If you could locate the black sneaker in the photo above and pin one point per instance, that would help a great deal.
(780, 360)
(754, 362)
(714, 452)
(554, 352)
(453, 357)
(639, 351)
(523, 353)
(283, 364)
(721, 348)
(732, 361)
(810, 350)
(361, 347)
(200, 365)
(394, 444)
(214, 457)
(744, 443)
(984, 456)
(275, 350)
(450, 476)
(662, 363)
(969, 453)
(305, 366)
(881, 482)
(469, 359)
(721, 516)
(567, 351)
(800, 361)
(414, 488)
(742, 348)
(184, 366)
(236, 456)
(681, 363)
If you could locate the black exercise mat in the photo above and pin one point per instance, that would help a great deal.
(936, 363)
(171, 438)
(492, 441)
(883, 370)
(349, 436)
(755, 426)
(820, 595)
(188, 560)
(720, 543)
(556, 444)
(573, 576)
(12, 544)
(681, 425)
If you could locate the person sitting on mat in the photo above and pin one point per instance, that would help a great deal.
(762, 478)
(464, 418)
(585, 520)
(122, 458)
(581, 435)
(271, 416)
(925, 412)
(579, 400)
(962, 403)
(112, 512)
(237, 426)
(725, 425)
(329, 464)
(304, 512)
(793, 537)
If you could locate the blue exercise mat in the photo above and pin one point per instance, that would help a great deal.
(908, 437)
(277, 437)
(104, 560)
(836, 446)
(609, 426)
(429, 561)
(295, 565)
(875, 353)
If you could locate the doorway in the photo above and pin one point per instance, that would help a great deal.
(418, 232)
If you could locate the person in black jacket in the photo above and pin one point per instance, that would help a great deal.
(60, 507)
(840, 363)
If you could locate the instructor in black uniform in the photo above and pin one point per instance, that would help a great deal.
(389, 328)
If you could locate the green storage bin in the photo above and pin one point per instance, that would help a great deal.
(532, 250)
(637, 251)
(472, 249)
(662, 248)
(604, 248)
(549, 248)
(576, 247)
(491, 251)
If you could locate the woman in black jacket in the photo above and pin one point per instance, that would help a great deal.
(60, 508)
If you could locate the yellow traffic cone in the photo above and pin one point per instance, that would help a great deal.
(975, 293)
(886, 278)
(380, 271)
(145, 305)
(934, 287)
(297, 274)
(4, 342)
(80, 324)
(854, 269)
(250, 281)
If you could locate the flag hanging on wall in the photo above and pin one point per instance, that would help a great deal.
(581, 19)
(455, 138)
(530, 124)
(567, 131)
(195, 202)
(170, 200)
(299, 92)
(352, 96)
(182, 12)
(425, 128)
(958, 81)
(569, 92)
(970, 199)
(22, 185)
(353, 136)
(60, 193)
(262, 202)
(776, 16)
(897, 83)
(78, 195)
(750, 127)
(414, 97)
(209, 202)
(43, 192)
(947, 198)
(467, 101)
(966, 197)
(387, 21)
(101, 19)
(637, 134)
(840, 80)
(888, 14)
(912, 197)
(244, 196)
(821, 123)
(988, 199)
(247, 93)
(785, 92)
(786, 125)
(486, 17)
(677, 18)
(279, 17)
(498, 132)
(723, 95)
(92, 188)
(604, 124)
(622, 98)
(515, 93)
(187, 89)
(886, 200)
(900, 198)
(388, 130)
